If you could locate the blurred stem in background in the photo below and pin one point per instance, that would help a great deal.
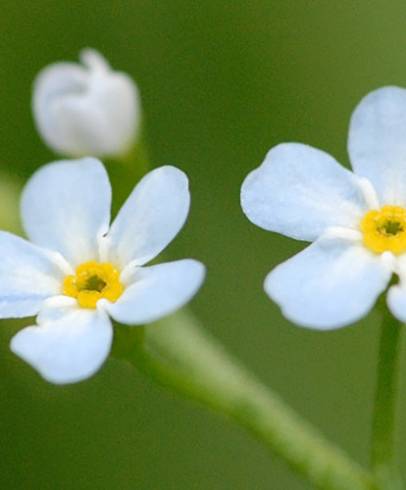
(10, 190)
(383, 428)
(125, 171)
(137, 160)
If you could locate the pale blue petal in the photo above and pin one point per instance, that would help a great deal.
(150, 218)
(377, 142)
(330, 284)
(68, 346)
(157, 291)
(65, 207)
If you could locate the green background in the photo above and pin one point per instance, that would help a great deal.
(221, 82)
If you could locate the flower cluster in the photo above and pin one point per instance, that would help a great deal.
(78, 272)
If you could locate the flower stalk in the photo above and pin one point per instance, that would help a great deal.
(180, 355)
(384, 417)
(128, 170)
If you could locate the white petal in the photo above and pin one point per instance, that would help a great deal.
(396, 297)
(71, 345)
(150, 218)
(157, 291)
(299, 191)
(65, 207)
(53, 82)
(377, 142)
(28, 275)
(86, 110)
(396, 300)
(332, 283)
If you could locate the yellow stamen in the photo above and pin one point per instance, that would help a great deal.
(93, 281)
(385, 229)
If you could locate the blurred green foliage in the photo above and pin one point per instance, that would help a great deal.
(221, 82)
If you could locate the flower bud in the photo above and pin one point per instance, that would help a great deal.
(86, 109)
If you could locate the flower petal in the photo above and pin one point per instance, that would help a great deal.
(66, 207)
(396, 297)
(150, 218)
(59, 80)
(299, 191)
(396, 300)
(28, 275)
(377, 143)
(330, 284)
(69, 345)
(157, 291)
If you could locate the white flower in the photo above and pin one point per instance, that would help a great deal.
(86, 110)
(78, 271)
(357, 221)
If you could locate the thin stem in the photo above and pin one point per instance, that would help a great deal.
(126, 171)
(383, 425)
(183, 357)
(137, 159)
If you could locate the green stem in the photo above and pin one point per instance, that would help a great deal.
(136, 160)
(180, 355)
(125, 172)
(383, 425)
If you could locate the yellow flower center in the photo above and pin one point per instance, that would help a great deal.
(93, 281)
(385, 230)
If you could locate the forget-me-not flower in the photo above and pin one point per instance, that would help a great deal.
(356, 220)
(77, 271)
